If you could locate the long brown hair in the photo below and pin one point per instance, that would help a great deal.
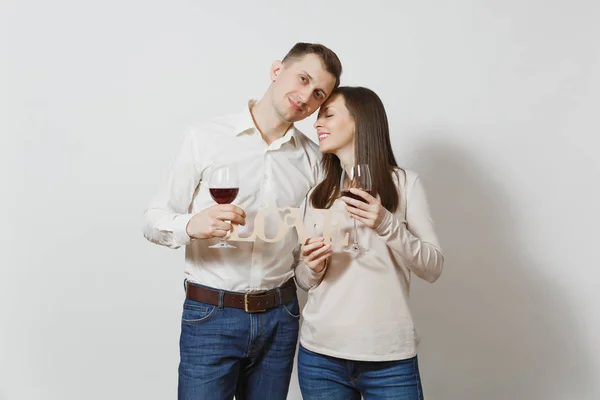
(372, 146)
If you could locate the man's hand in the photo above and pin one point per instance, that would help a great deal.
(211, 222)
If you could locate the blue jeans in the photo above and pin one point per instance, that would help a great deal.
(330, 378)
(227, 351)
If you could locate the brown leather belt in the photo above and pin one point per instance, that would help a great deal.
(250, 302)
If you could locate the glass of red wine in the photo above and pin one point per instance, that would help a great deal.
(355, 176)
(224, 187)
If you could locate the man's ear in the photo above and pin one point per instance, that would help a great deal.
(276, 70)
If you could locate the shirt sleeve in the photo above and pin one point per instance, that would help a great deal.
(306, 278)
(414, 239)
(166, 218)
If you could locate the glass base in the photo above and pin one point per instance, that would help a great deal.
(355, 248)
(222, 245)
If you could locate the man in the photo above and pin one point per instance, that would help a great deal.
(240, 318)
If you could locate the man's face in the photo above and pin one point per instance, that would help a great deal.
(299, 87)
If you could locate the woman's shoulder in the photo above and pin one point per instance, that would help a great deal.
(404, 177)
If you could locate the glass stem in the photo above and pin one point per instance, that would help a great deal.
(355, 233)
(224, 239)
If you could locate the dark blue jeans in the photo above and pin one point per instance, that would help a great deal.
(330, 378)
(227, 351)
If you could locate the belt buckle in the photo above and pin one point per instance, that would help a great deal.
(247, 301)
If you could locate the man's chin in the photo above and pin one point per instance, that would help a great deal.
(295, 115)
(289, 116)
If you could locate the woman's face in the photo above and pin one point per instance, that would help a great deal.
(335, 126)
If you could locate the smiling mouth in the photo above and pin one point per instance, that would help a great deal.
(295, 106)
(323, 136)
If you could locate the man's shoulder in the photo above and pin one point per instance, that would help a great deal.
(216, 125)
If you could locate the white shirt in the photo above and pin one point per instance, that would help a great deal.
(279, 174)
(357, 309)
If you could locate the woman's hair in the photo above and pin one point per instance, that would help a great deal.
(372, 146)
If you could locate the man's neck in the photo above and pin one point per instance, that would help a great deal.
(268, 122)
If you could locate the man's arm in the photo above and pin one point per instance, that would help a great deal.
(169, 221)
(167, 217)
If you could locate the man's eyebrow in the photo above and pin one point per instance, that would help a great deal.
(307, 74)
(325, 94)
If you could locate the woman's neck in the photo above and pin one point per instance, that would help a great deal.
(346, 155)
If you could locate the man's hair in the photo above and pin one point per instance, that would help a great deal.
(330, 60)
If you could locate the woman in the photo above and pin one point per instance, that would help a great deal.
(358, 337)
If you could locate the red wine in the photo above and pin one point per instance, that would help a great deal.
(348, 193)
(224, 195)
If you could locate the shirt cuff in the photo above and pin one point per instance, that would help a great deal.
(385, 223)
(180, 235)
(318, 275)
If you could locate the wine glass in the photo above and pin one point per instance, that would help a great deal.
(223, 187)
(355, 176)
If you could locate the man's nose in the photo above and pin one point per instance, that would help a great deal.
(305, 95)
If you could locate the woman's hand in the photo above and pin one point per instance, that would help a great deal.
(370, 211)
(314, 253)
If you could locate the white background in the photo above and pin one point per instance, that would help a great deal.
(494, 103)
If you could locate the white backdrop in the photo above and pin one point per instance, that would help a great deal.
(494, 103)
